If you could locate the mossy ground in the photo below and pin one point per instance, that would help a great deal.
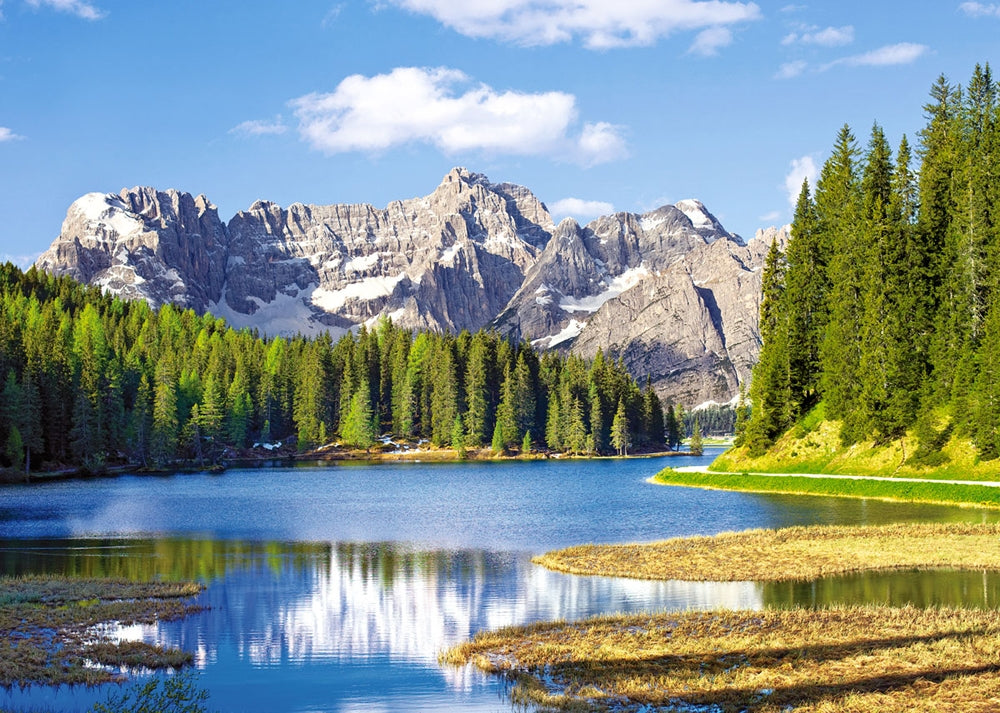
(862, 659)
(51, 628)
(794, 553)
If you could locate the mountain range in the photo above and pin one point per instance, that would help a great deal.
(670, 292)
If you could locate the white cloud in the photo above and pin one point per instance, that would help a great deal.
(260, 127)
(791, 69)
(770, 217)
(82, 9)
(827, 37)
(708, 42)
(597, 23)
(444, 108)
(800, 169)
(978, 9)
(8, 135)
(599, 143)
(579, 209)
(331, 16)
(902, 53)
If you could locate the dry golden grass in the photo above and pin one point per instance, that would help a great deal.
(848, 659)
(50, 627)
(789, 554)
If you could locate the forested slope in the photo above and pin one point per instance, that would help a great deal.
(87, 380)
(885, 306)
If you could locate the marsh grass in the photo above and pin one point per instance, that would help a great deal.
(844, 659)
(942, 493)
(52, 628)
(794, 553)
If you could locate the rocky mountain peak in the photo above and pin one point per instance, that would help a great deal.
(471, 253)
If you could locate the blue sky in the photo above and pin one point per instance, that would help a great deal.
(622, 105)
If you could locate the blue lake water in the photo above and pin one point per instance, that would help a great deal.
(335, 587)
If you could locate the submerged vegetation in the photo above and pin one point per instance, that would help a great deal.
(857, 659)
(794, 553)
(55, 630)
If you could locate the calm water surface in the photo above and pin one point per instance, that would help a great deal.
(334, 588)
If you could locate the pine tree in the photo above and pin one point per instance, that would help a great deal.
(838, 212)
(523, 392)
(806, 287)
(163, 443)
(507, 410)
(358, 428)
(880, 328)
(15, 448)
(553, 423)
(30, 420)
(672, 428)
(444, 399)
(239, 411)
(652, 416)
(742, 416)
(596, 420)
(986, 423)
(458, 437)
(620, 434)
(696, 447)
(142, 422)
(526, 443)
(477, 416)
(576, 431)
(499, 442)
(769, 390)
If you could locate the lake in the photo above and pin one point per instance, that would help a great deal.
(334, 587)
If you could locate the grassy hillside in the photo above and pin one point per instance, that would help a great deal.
(813, 446)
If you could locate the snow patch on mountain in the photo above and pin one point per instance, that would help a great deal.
(286, 315)
(591, 303)
(369, 288)
(108, 211)
(570, 331)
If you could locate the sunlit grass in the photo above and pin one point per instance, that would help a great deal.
(51, 627)
(940, 493)
(794, 553)
(845, 659)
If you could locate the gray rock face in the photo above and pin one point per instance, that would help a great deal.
(582, 268)
(162, 246)
(670, 290)
(451, 260)
(692, 328)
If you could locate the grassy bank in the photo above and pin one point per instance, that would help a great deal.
(51, 628)
(813, 446)
(857, 659)
(795, 553)
(943, 493)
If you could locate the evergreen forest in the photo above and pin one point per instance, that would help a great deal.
(883, 311)
(88, 380)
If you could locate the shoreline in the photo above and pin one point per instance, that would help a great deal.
(327, 455)
(911, 490)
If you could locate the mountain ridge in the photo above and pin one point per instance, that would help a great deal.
(470, 254)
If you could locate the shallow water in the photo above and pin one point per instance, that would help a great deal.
(334, 588)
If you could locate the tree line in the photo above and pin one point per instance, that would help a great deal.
(87, 379)
(885, 305)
